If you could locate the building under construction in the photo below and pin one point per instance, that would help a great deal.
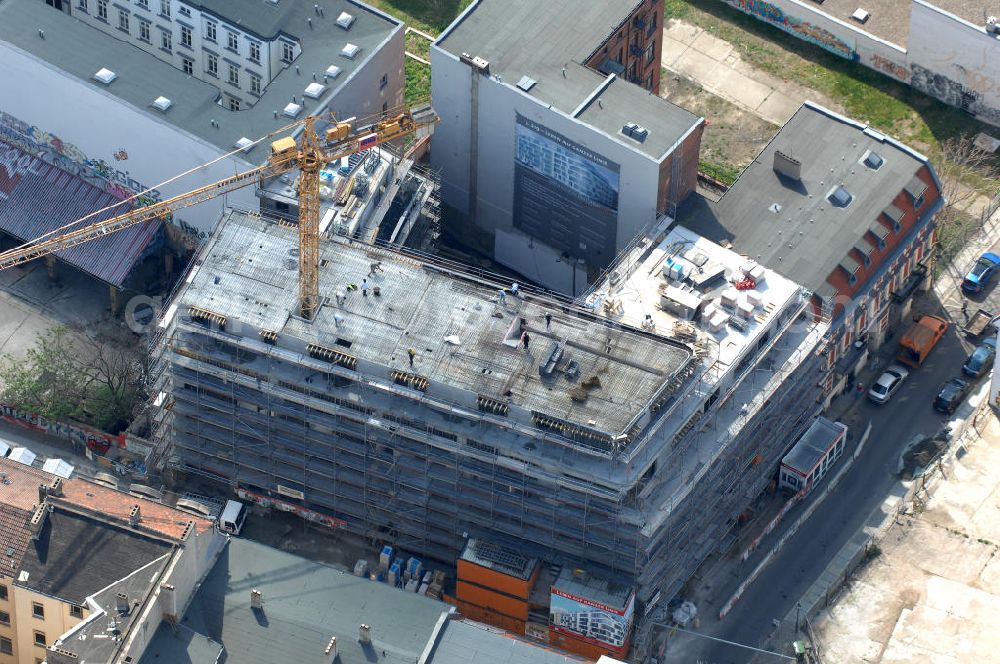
(422, 406)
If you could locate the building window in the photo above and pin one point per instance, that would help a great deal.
(165, 8)
(287, 52)
(234, 75)
(81, 5)
(649, 81)
(187, 64)
(649, 52)
(385, 108)
(76, 611)
(255, 52)
(123, 20)
(384, 82)
(184, 11)
(234, 104)
(3, 591)
(40, 638)
(167, 41)
(37, 610)
(144, 31)
(232, 41)
(919, 203)
(255, 84)
(102, 10)
(212, 64)
(6, 646)
(210, 30)
(185, 36)
(4, 618)
(143, 3)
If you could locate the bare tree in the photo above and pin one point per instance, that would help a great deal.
(969, 180)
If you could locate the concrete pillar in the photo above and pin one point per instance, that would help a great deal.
(50, 267)
(116, 300)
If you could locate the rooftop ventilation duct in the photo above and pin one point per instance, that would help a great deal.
(121, 603)
(787, 166)
(256, 599)
(162, 103)
(134, 516)
(345, 20)
(105, 76)
(330, 652)
(365, 633)
(292, 110)
(314, 90)
(526, 83)
(350, 51)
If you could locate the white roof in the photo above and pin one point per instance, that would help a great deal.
(58, 467)
(315, 90)
(4, 448)
(22, 455)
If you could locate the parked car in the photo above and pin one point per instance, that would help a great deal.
(980, 274)
(951, 395)
(981, 360)
(887, 383)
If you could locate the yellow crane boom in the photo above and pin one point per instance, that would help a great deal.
(309, 155)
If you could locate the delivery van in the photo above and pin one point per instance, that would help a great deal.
(920, 339)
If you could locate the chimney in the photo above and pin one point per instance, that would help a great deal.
(134, 516)
(365, 633)
(121, 603)
(169, 598)
(330, 652)
(43, 493)
(38, 518)
(55, 489)
(787, 166)
(56, 655)
(256, 599)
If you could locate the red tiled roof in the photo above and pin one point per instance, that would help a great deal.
(19, 487)
(156, 517)
(14, 537)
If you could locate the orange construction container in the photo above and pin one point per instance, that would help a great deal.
(505, 583)
(485, 615)
(499, 602)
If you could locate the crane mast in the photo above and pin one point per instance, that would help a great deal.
(309, 155)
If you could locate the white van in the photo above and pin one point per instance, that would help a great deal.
(232, 517)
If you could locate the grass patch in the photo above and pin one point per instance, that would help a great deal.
(431, 16)
(725, 173)
(418, 82)
(890, 106)
(418, 45)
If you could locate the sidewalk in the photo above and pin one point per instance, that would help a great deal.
(717, 67)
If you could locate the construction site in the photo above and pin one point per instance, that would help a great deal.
(422, 406)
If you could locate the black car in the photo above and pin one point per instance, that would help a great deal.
(951, 395)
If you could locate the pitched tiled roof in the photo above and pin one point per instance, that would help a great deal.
(156, 517)
(19, 484)
(36, 198)
(14, 538)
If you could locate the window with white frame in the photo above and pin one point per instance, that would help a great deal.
(185, 36)
(165, 7)
(234, 74)
(123, 20)
(287, 52)
(102, 9)
(143, 3)
(234, 104)
(144, 31)
(232, 41)
(166, 41)
(255, 52)
(210, 30)
(187, 64)
(81, 4)
(255, 84)
(212, 64)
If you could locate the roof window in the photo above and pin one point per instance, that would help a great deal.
(345, 20)
(350, 51)
(873, 160)
(840, 196)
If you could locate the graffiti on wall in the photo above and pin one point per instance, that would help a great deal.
(886, 66)
(955, 93)
(81, 436)
(804, 30)
(66, 156)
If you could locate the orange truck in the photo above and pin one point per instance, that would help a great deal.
(920, 339)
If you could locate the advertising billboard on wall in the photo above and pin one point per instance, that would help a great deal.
(589, 620)
(564, 194)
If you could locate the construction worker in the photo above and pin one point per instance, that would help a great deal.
(502, 296)
(364, 287)
(412, 353)
(548, 321)
(525, 339)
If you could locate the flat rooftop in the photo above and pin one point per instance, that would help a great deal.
(76, 556)
(499, 559)
(463, 336)
(579, 583)
(549, 42)
(793, 227)
(465, 642)
(813, 444)
(80, 50)
(305, 603)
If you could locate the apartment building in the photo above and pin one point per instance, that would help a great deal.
(554, 147)
(165, 88)
(86, 566)
(847, 212)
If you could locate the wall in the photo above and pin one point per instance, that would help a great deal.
(132, 144)
(946, 57)
(361, 94)
(955, 61)
(56, 622)
(493, 164)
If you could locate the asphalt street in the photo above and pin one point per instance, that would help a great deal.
(839, 517)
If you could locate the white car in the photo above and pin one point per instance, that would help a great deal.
(887, 383)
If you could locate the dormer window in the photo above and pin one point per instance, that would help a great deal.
(895, 215)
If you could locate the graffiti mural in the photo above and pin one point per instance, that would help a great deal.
(66, 156)
(953, 92)
(887, 66)
(804, 30)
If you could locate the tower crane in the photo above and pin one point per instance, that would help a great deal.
(309, 154)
